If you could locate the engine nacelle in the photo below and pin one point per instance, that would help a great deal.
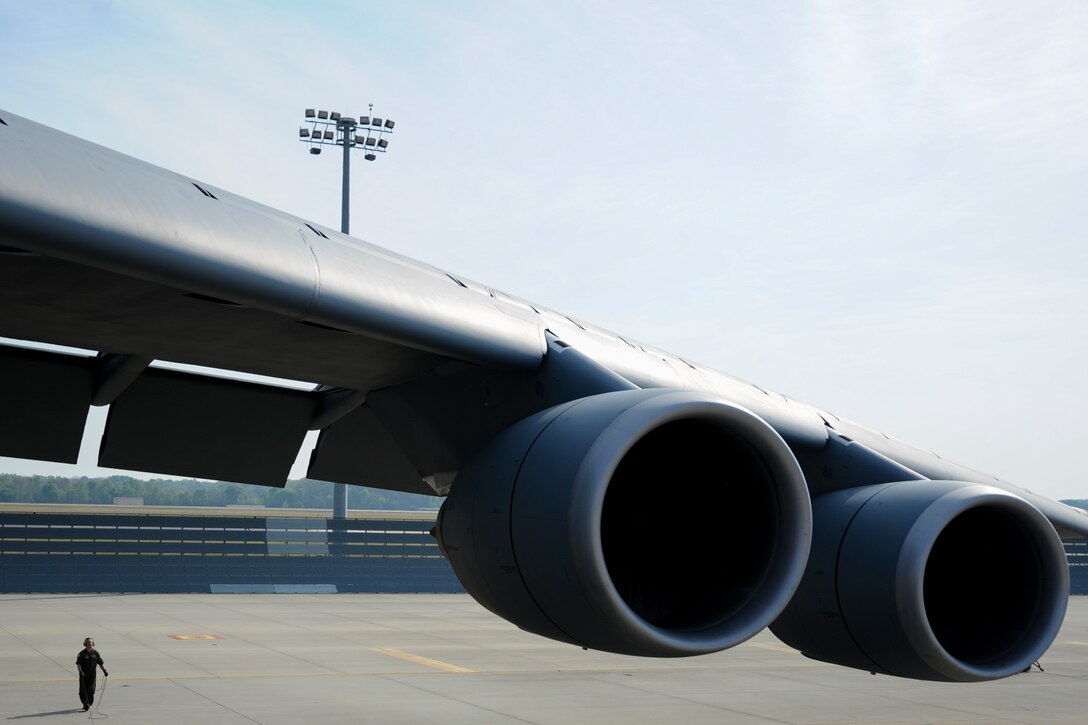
(643, 522)
(932, 580)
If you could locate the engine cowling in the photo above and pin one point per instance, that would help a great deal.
(644, 522)
(931, 580)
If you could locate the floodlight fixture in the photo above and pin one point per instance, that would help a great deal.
(315, 150)
(333, 128)
(370, 157)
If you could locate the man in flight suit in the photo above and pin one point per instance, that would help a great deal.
(86, 661)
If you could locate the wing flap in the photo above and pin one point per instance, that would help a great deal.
(44, 398)
(206, 427)
(357, 449)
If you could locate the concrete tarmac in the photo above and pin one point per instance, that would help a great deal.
(389, 658)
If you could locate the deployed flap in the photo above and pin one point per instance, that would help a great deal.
(44, 397)
(358, 449)
(205, 427)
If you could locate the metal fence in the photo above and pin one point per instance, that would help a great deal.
(69, 552)
(157, 552)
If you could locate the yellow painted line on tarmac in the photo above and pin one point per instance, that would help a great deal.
(425, 661)
(1082, 644)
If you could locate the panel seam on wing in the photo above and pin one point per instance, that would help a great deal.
(317, 277)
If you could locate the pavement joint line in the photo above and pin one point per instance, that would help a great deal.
(212, 700)
(509, 716)
(425, 661)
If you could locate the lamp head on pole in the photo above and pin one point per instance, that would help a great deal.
(332, 128)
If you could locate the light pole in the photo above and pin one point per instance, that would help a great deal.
(329, 128)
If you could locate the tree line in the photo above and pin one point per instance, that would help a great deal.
(301, 493)
(166, 492)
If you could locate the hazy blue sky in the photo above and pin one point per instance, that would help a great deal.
(877, 208)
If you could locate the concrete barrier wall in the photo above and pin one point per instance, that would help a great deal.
(49, 551)
(1076, 552)
(137, 552)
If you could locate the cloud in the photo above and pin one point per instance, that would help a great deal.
(1007, 72)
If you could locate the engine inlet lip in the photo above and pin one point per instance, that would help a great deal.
(791, 542)
(911, 567)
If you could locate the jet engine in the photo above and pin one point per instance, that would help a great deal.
(932, 580)
(643, 522)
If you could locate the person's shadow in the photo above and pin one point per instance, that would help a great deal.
(46, 714)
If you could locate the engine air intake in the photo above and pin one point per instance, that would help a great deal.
(648, 522)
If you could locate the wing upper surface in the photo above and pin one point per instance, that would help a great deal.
(114, 234)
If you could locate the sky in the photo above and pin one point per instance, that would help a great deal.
(878, 208)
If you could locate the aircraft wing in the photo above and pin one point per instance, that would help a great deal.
(109, 254)
(558, 443)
